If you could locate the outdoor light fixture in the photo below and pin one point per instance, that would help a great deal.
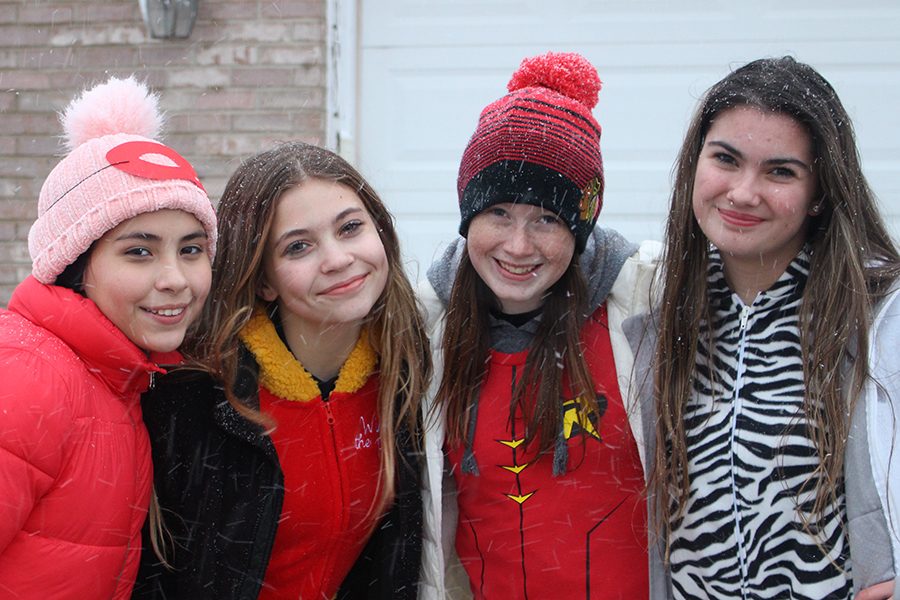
(169, 18)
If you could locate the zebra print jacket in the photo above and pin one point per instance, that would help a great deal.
(872, 465)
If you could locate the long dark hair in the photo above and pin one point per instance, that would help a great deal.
(853, 262)
(555, 353)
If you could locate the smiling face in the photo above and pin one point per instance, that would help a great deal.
(325, 264)
(754, 190)
(519, 251)
(150, 276)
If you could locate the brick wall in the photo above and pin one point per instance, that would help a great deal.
(252, 73)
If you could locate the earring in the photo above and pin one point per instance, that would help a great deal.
(816, 208)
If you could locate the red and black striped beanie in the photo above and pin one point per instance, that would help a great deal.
(539, 145)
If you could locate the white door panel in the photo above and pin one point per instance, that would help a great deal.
(427, 68)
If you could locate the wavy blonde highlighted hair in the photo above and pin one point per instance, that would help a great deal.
(395, 324)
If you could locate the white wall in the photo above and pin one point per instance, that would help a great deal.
(426, 68)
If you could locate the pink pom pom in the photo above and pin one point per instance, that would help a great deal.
(117, 106)
(568, 73)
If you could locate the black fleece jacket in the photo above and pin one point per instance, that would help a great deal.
(220, 489)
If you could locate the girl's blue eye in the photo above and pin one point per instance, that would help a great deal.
(297, 247)
(351, 226)
(496, 210)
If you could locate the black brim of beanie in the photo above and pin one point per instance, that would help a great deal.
(522, 182)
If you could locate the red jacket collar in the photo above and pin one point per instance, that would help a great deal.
(79, 323)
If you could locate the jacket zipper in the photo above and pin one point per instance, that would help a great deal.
(329, 418)
(342, 500)
(738, 384)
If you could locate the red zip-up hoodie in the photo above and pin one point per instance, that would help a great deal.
(329, 452)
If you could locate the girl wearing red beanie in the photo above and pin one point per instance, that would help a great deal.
(534, 487)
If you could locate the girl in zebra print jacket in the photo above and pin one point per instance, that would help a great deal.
(772, 449)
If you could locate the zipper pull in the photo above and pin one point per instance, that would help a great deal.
(329, 415)
(745, 316)
(152, 380)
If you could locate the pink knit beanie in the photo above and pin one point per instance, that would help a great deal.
(115, 170)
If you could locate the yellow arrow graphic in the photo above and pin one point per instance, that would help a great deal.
(520, 499)
(515, 469)
(512, 443)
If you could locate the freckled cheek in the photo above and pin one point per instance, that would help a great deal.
(566, 251)
(484, 233)
(482, 237)
(476, 248)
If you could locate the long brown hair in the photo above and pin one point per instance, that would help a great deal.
(853, 262)
(556, 351)
(395, 324)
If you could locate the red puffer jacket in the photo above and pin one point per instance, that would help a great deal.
(75, 471)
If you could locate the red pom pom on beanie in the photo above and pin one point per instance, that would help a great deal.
(568, 73)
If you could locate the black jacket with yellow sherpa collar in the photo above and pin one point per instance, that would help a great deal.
(220, 488)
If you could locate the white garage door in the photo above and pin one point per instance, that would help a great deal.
(427, 67)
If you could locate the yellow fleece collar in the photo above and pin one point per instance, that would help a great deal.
(283, 375)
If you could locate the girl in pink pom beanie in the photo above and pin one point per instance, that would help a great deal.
(121, 253)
